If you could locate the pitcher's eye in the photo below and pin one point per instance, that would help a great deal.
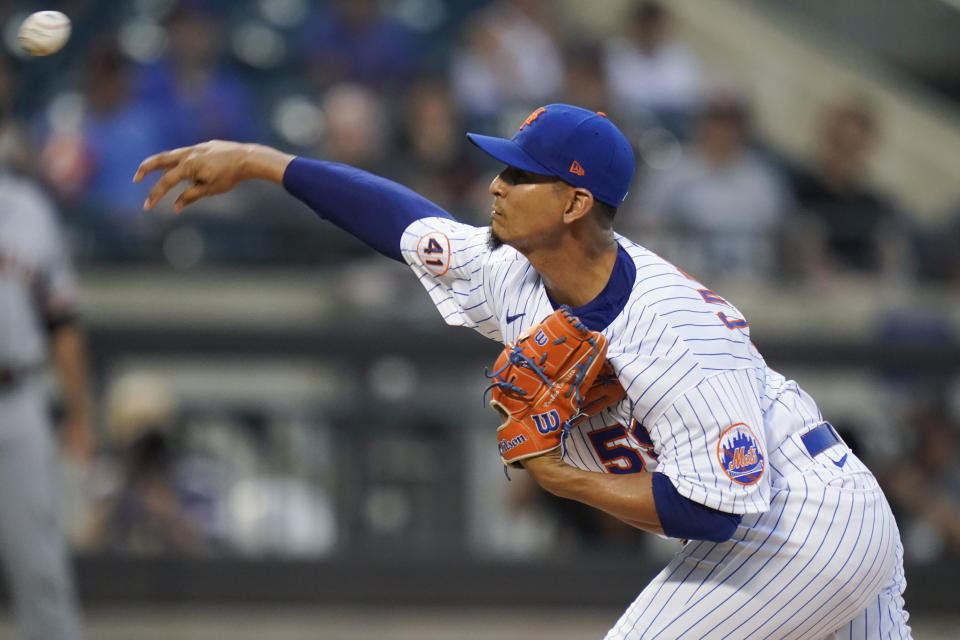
(513, 176)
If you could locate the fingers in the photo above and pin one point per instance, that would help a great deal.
(167, 181)
(198, 164)
(163, 160)
(189, 196)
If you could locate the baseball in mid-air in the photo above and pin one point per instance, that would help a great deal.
(44, 32)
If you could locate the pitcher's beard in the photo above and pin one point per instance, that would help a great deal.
(494, 241)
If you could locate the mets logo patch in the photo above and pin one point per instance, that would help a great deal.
(739, 454)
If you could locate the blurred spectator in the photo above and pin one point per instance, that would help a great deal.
(650, 74)
(584, 82)
(198, 95)
(355, 127)
(94, 144)
(721, 205)
(146, 515)
(436, 164)
(356, 41)
(145, 503)
(844, 226)
(508, 56)
(925, 488)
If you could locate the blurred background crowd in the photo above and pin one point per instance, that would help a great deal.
(391, 87)
(266, 386)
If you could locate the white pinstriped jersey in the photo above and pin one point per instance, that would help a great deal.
(696, 386)
(817, 553)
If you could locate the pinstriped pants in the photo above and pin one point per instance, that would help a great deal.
(824, 562)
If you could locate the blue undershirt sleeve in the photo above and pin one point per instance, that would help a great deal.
(371, 208)
(681, 517)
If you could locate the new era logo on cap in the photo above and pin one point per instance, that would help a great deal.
(581, 147)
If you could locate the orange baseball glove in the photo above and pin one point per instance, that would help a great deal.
(539, 384)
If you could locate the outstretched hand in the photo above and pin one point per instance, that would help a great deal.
(210, 167)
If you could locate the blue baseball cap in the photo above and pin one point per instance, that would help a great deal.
(581, 147)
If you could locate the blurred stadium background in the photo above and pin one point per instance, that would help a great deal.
(290, 442)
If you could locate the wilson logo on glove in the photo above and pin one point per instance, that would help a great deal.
(505, 445)
(538, 384)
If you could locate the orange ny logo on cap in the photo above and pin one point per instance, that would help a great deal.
(530, 118)
(576, 168)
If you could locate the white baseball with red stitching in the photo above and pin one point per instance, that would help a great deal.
(44, 32)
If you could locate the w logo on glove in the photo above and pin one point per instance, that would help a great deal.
(547, 422)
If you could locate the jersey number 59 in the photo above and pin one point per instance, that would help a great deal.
(615, 450)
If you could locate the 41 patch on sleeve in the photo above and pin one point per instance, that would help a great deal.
(433, 250)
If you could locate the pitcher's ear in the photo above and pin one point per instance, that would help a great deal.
(580, 204)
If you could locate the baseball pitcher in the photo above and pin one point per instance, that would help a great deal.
(625, 383)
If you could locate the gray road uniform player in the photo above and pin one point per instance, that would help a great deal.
(38, 296)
